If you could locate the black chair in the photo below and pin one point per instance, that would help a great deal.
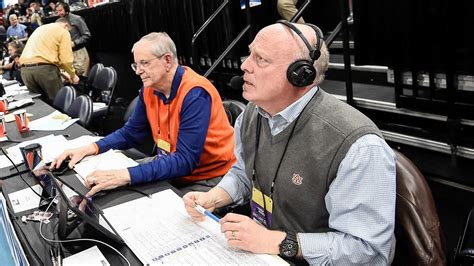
(81, 108)
(130, 109)
(233, 109)
(105, 82)
(63, 100)
(420, 239)
(132, 152)
(464, 252)
(93, 73)
(86, 86)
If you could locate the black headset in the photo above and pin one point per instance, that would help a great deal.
(302, 73)
(66, 7)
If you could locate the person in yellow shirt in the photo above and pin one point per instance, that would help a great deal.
(48, 49)
(287, 9)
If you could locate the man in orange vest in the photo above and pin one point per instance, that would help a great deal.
(184, 113)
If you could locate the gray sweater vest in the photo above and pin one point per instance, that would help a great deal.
(324, 133)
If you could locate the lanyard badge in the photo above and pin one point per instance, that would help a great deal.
(164, 147)
(261, 207)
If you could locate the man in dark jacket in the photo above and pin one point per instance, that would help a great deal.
(80, 35)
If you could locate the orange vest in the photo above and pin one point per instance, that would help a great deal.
(218, 154)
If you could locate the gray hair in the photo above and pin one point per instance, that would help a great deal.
(12, 15)
(161, 43)
(321, 65)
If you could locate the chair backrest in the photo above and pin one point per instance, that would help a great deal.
(420, 240)
(81, 108)
(66, 95)
(130, 109)
(233, 108)
(105, 79)
(105, 82)
(93, 72)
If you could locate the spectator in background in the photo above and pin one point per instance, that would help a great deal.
(37, 8)
(15, 72)
(9, 65)
(16, 31)
(22, 7)
(35, 19)
(49, 8)
(287, 9)
(80, 35)
(48, 50)
(15, 9)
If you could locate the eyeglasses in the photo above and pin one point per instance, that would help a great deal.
(144, 63)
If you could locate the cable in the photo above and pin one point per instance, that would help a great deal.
(78, 239)
(12, 141)
(19, 173)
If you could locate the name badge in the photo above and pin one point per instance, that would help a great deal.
(164, 147)
(261, 210)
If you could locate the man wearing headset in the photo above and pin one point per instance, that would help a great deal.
(318, 176)
(80, 35)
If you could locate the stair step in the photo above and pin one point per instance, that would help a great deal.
(338, 44)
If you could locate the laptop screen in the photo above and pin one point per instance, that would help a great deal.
(80, 207)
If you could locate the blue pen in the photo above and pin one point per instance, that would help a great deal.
(203, 211)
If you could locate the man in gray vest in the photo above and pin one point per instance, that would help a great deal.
(318, 176)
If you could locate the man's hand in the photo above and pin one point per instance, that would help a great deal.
(214, 198)
(74, 156)
(201, 198)
(75, 80)
(244, 233)
(106, 179)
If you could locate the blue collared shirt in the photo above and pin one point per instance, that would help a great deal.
(364, 226)
(194, 122)
(19, 31)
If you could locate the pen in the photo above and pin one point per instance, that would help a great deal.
(203, 211)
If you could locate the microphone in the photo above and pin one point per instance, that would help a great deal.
(236, 83)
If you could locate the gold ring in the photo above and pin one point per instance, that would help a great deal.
(233, 236)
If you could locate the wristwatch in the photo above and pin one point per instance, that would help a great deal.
(289, 246)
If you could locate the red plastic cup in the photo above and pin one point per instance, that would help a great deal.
(21, 120)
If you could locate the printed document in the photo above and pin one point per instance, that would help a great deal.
(110, 160)
(159, 230)
(54, 121)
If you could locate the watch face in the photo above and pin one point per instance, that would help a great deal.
(288, 248)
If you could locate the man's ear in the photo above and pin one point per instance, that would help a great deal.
(168, 58)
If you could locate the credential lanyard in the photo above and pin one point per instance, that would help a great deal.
(259, 199)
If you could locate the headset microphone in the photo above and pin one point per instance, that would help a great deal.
(236, 83)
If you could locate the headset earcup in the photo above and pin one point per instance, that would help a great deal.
(301, 73)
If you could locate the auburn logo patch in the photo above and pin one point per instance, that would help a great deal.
(297, 179)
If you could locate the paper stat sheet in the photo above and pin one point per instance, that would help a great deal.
(158, 230)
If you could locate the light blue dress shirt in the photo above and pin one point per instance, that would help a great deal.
(19, 31)
(365, 224)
